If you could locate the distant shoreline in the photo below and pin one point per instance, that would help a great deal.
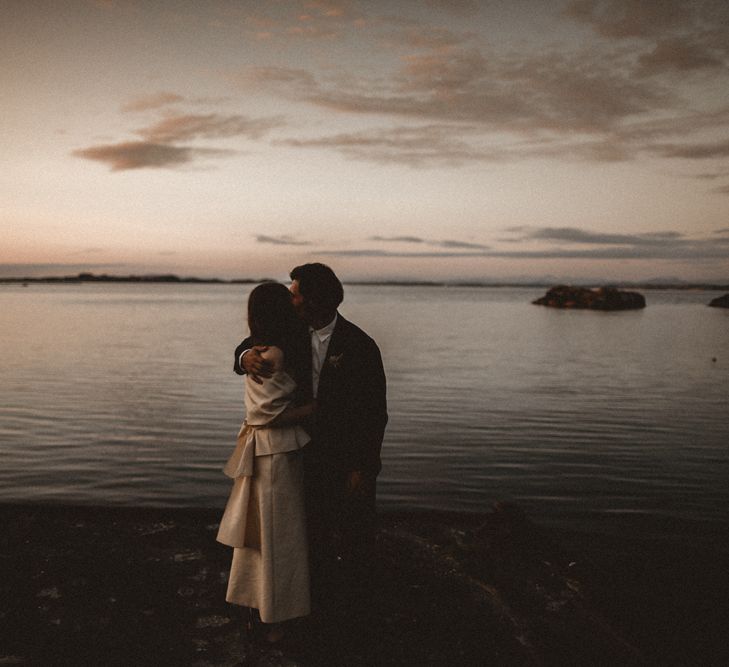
(83, 278)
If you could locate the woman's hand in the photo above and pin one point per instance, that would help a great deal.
(255, 366)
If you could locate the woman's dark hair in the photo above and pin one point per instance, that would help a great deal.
(272, 320)
(319, 286)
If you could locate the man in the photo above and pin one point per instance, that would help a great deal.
(343, 458)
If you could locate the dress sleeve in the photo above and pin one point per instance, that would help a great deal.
(266, 401)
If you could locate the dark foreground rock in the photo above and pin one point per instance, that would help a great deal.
(600, 298)
(101, 586)
(720, 301)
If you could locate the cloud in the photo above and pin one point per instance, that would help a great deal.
(455, 6)
(88, 251)
(398, 239)
(550, 109)
(575, 235)
(159, 147)
(697, 251)
(605, 102)
(452, 101)
(718, 149)
(649, 245)
(710, 175)
(329, 8)
(685, 251)
(664, 245)
(280, 240)
(685, 36)
(428, 37)
(154, 101)
(461, 244)
(143, 154)
(209, 126)
(415, 146)
(288, 78)
(307, 19)
(680, 55)
(629, 18)
(644, 135)
(425, 146)
(369, 252)
(447, 243)
(311, 31)
(552, 91)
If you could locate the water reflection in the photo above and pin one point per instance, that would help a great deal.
(124, 394)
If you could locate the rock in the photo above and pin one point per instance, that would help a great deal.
(720, 301)
(600, 298)
(447, 588)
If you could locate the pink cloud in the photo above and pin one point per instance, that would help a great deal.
(154, 101)
(142, 154)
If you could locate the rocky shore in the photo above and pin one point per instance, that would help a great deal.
(123, 586)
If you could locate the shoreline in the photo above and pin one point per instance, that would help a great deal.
(172, 279)
(120, 585)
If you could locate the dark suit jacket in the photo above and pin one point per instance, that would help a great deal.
(351, 414)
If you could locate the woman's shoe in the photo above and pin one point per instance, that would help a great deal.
(251, 623)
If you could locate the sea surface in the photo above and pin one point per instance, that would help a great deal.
(124, 394)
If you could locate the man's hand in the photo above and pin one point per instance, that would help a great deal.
(308, 409)
(255, 365)
(354, 483)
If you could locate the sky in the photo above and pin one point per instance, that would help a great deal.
(434, 140)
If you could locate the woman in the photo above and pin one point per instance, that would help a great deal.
(264, 519)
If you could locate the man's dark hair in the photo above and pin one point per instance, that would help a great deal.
(319, 285)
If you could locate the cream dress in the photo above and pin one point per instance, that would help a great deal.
(264, 519)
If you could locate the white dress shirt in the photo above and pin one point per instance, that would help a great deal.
(319, 345)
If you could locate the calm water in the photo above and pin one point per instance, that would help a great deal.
(124, 394)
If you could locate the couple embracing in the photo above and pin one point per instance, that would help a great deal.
(301, 514)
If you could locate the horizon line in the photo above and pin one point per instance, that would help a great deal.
(86, 277)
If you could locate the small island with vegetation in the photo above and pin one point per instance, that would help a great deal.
(599, 298)
(720, 301)
(87, 277)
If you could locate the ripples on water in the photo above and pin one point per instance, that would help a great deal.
(124, 394)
